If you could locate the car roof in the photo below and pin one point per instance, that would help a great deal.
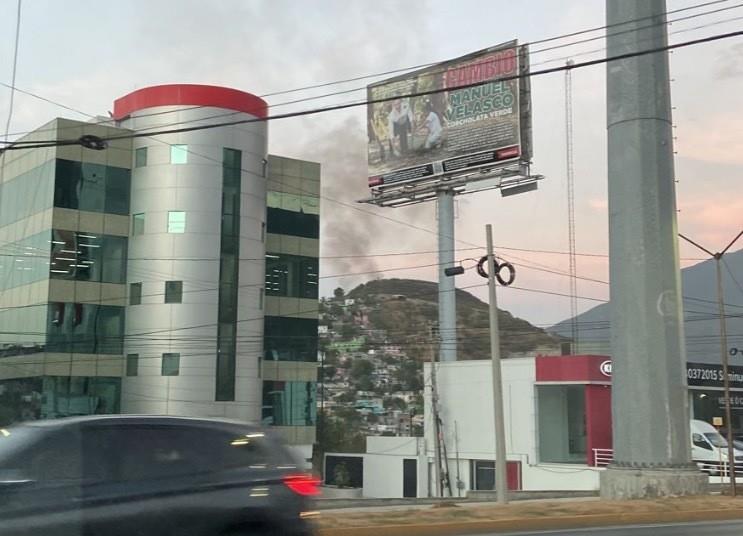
(142, 419)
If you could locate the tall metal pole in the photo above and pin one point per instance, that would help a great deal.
(725, 377)
(501, 490)
(447, 295)
(650, 405)
(723, 352)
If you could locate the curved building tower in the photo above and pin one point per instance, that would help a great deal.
(196, 255)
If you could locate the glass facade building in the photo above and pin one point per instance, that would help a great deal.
(292, 286)
(63, 234)
(202, 240)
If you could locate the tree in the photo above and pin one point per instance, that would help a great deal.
(329, 371)
(335, 434)
(361, 368)
(339, 293)
(410, 375)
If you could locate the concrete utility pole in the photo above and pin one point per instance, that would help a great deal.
(447, 287)
(501, 478)
(650, 406)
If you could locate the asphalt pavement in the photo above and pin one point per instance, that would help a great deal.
(722, 528)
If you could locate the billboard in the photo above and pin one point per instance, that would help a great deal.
(457, 115)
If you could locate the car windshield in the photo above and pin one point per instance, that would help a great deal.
(716, 439)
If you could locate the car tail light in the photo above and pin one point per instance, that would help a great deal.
(306, 485)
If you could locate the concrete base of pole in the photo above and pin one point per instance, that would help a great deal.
(624, 483)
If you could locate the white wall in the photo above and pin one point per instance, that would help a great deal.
(466, 397)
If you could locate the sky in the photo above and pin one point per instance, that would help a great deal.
(85, 54)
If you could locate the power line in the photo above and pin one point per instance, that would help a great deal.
(315, 111)
(411, 68)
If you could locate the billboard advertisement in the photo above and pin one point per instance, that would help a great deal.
(457, 115)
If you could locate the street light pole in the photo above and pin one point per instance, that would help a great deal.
(499, 421)
(723, 355)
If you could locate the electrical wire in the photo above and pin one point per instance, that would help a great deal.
(315, 111)
(415, 67)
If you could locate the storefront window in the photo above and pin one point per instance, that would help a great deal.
(562, 423)
(289, 403)
(708, 404)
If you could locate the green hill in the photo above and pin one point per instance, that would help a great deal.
(407, 309)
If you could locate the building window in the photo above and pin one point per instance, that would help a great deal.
(289, 403)
(86, 256)
(132, 364)
(91, 187)
(179, 154)
(135, 293)
(171, 365)
(290, 339)
(85, 328)
(561, 423)
(288, 222)
(173, 291)
(229, 253)
(261, 294)
(140, 157)
(138, 224)
(292, 275)
(176, 221)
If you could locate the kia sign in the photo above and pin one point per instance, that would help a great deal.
(467, 113)
(605, 368)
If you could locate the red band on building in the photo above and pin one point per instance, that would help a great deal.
(190, 95)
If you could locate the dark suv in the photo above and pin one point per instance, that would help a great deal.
(148, 475)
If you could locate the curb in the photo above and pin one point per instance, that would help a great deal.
(528, 524)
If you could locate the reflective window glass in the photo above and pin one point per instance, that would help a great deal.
(137, 224)
(173, 291)
(289, 403)
(176, 221)
(85, 328)
(179, 154)
(135, 293)
(171, 364)
(290, 339)
(85, 256)
(132, 364)
(140, 157)
(291, 275)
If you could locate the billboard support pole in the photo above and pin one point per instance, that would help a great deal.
(447, 294)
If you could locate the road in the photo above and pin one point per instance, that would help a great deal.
(723, 528)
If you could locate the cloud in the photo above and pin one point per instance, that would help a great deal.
(730, 63)
(601, 205)
(713, 138)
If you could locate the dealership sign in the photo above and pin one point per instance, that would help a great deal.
(463, 114)
(698, 374)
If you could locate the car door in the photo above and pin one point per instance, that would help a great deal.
(141, 479)
(702, 451)
(40, 487)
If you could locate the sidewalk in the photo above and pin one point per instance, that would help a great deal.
(449, 520)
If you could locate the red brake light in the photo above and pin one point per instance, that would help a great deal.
(306, 485)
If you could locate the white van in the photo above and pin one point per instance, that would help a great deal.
(709, 449)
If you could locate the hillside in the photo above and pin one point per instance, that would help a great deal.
(701, 326)
(407, 308)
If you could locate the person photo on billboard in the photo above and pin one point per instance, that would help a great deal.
(432, 126)
(400, 123)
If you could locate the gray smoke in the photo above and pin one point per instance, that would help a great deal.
(358, 229)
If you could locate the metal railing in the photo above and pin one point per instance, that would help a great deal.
(602, 457)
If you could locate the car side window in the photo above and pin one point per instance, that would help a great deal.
(242, 450)
(143, 452)
(57, 458)
(700, 442)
